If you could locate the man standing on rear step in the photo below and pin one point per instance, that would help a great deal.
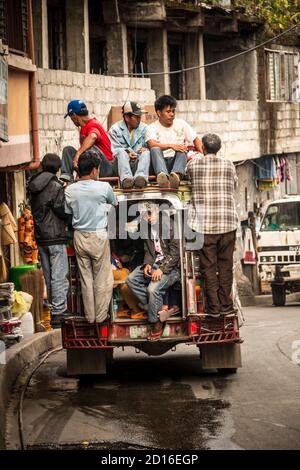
(128, 146)
(167, 139)
(92, 136)
(87, 200)
(213, 213)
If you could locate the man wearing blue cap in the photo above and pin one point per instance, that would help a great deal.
(92, 137)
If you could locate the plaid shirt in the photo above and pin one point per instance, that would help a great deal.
(212, 209)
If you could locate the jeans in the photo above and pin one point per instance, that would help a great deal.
(68, 154)
(54, 261)
(168, 165)
(128, 167)
(150, 293)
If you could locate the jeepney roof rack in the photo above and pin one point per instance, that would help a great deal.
(114, 181)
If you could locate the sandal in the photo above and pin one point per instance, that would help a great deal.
(138, 316)
(123, 314)
(165, 314)
(155, 335)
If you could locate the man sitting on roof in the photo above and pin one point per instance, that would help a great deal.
(167, 139)
(92, 137)
(129, 148)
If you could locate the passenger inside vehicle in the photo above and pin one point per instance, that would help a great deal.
(127, 254)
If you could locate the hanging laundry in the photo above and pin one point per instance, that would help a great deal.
(266, 168)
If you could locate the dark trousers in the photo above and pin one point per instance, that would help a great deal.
(68, 154)
(216, 264)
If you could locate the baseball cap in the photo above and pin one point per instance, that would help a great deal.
(75, 107)
(131, 107)
(147, 207)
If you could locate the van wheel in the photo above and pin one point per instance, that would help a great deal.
(278, 295)
(230, 370)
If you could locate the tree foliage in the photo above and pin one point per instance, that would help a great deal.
(279, 14)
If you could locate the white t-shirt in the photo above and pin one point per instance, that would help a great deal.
(157, 246)
(179, 133)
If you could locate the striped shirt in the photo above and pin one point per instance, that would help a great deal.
(212, 209)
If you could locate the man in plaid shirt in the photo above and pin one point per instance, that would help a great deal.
(213, 214)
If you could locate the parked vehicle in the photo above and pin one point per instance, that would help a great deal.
(278, 248)
(90, 346)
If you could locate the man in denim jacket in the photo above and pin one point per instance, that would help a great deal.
(129, 148)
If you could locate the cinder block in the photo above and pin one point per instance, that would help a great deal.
(233, 106)
(51, 121)
(47, 76)
(45, 122)
(53, 76)
(69, 78)
(44, 91)
(49, 107)
(40, 75)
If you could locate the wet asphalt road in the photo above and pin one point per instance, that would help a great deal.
(168, 402)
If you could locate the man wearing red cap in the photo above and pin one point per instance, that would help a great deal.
(92, 137)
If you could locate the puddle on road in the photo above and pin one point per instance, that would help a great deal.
(140, 406)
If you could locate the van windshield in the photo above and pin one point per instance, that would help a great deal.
(283, 216)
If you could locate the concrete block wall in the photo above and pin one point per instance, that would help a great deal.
(235, 121)
(286, 128)
(55, 88)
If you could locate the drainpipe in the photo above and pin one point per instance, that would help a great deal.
(33, 99)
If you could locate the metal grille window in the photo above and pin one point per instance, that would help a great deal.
(282, 75)
(14, 24)
(57, 34)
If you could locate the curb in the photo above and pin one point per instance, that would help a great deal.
(17, 358)
(266, 299)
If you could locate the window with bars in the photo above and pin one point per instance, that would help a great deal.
(57, 34)
(14, 24)
(282, 75)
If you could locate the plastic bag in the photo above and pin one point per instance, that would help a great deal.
(22, 303)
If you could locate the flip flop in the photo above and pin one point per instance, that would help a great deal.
(138, 316)
(155, 335)
(123, 314)
(165, 314)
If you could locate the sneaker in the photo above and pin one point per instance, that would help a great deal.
(127, 183)
(174, 180)
(140, 182)
(163, 180)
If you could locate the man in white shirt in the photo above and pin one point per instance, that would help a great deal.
(168, 138)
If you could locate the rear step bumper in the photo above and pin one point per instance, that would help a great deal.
(78, 333)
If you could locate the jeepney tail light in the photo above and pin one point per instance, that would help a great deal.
(193, 328)
(104, 332)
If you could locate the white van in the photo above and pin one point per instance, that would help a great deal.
(278, 247)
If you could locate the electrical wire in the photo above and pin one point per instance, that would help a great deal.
(209, 64)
